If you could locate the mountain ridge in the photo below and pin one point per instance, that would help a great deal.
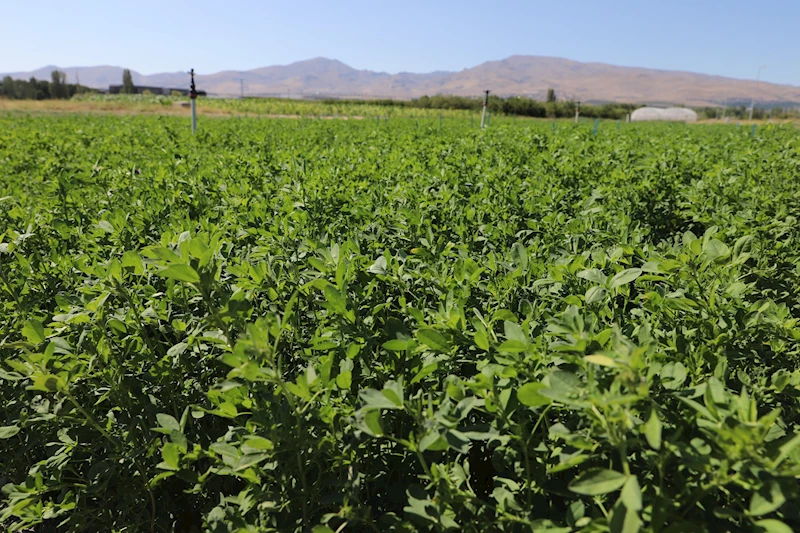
(516, 75)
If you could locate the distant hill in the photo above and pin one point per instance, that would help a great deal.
(516, 75)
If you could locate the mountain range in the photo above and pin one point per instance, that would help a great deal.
(529, 76)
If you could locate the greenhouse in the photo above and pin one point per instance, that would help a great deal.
(672, 114)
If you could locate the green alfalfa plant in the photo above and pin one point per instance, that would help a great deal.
(559, 299)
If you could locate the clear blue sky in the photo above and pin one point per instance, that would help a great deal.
(726, 37)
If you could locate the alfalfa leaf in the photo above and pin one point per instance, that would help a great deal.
(624, 277)
(598, 481)
(180, 272)
(433, 339)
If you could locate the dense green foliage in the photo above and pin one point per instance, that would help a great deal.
(34, 89)
(742, 112)
(427, 106)
(513, 105)
(361, 326)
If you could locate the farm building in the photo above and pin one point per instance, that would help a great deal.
(117, 89)
(670, 114)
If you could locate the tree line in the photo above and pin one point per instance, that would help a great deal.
(552, 107)
(741, 112)
(513, 105)
(33, 89)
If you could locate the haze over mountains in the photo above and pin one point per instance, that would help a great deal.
(514, 76)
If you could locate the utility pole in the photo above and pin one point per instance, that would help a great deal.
(485, 103)
(753, 101)
(193, 99)
(577, 110)
(241, 87)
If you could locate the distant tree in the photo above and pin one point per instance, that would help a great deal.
(8, 87)
(551, 95)
(127, 83)
(41, 89)
(424, 102)
(26, 89)
(58, 84)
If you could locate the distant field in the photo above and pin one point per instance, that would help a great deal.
(272, 108)
(166, 105)
(396, 326)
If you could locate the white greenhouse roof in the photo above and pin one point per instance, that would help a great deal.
(675, 114)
